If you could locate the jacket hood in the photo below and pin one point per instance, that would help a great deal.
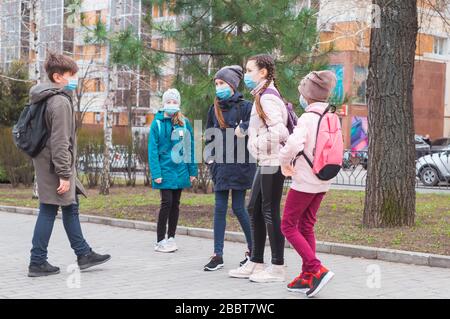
(317, 107)
(41, 91)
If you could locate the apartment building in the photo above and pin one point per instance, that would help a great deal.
(63, 28)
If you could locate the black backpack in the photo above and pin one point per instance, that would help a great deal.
(30, 134)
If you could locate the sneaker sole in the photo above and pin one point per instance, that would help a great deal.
(303, 291)
(322, 284)
(266, 281)
(39, 274)
(84, 267)
(239, 276)
(213, 269)
(165, 251)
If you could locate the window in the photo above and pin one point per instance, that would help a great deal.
(440, 46)
(158, 44)
(159, 85)
(116, 119)
(97, 84)
(159, 10)
(98, 117)
(127, 6)
(93, 85)
(52, 16)
(124, 81)
(98, 52)
(11, 54)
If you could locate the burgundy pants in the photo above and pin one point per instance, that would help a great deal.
(297, 225)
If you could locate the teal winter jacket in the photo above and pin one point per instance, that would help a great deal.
(171, 153)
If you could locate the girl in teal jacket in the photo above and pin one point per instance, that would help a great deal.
(172, 166)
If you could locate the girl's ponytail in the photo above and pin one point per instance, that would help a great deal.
(219, 114)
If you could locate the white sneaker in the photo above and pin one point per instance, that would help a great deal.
(172, 244)
(273, 273)
(162, 247)
(246, 270)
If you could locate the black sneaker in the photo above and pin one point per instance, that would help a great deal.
(92, 259)
(215, 263)
(247, 258)
(44, 269)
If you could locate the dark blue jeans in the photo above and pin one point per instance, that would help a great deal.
(44, 227)
(220, 220)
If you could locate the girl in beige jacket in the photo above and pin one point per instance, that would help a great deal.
(267, 131)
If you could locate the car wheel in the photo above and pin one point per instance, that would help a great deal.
(429, 176)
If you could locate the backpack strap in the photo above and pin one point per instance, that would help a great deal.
(273, 92)
(301, 153)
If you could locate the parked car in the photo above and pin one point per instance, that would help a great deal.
(422, 147)
(119, 162)
(353, 158)
(440, 145)
(364, 157)
(434, 168)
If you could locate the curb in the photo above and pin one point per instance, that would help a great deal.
(391, 255)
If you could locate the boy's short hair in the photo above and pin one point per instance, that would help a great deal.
(59, 63)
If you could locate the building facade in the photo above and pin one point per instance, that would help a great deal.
(344, 27)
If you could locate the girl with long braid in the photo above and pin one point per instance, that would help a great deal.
(267, 131)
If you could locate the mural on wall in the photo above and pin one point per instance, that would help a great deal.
(358, 134)
(338, 94)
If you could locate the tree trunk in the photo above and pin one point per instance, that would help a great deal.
(35, 43)
(109, 105)
(35, 24)
(105, 181)
(390, 190)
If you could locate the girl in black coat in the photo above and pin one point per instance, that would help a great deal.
(226, 128)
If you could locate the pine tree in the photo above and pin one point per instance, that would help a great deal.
(212, 34)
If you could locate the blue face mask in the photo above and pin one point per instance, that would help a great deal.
(223, 92)
(71, 85)
(249, 82)
(303, 102)
(170, 111)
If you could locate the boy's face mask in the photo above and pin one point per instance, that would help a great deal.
(72, 84)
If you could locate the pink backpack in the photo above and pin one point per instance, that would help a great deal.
(329, 148)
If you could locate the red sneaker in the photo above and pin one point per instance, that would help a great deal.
(319, 280)
(302, 283)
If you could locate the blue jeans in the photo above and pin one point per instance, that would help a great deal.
(44, 227)
(220, 214)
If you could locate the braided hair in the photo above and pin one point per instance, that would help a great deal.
(264, 61)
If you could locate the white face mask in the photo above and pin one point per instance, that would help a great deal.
(303, 102)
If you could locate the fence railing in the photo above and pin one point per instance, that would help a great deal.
(432, 170)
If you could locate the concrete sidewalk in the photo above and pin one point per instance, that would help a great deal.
(136, 271)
